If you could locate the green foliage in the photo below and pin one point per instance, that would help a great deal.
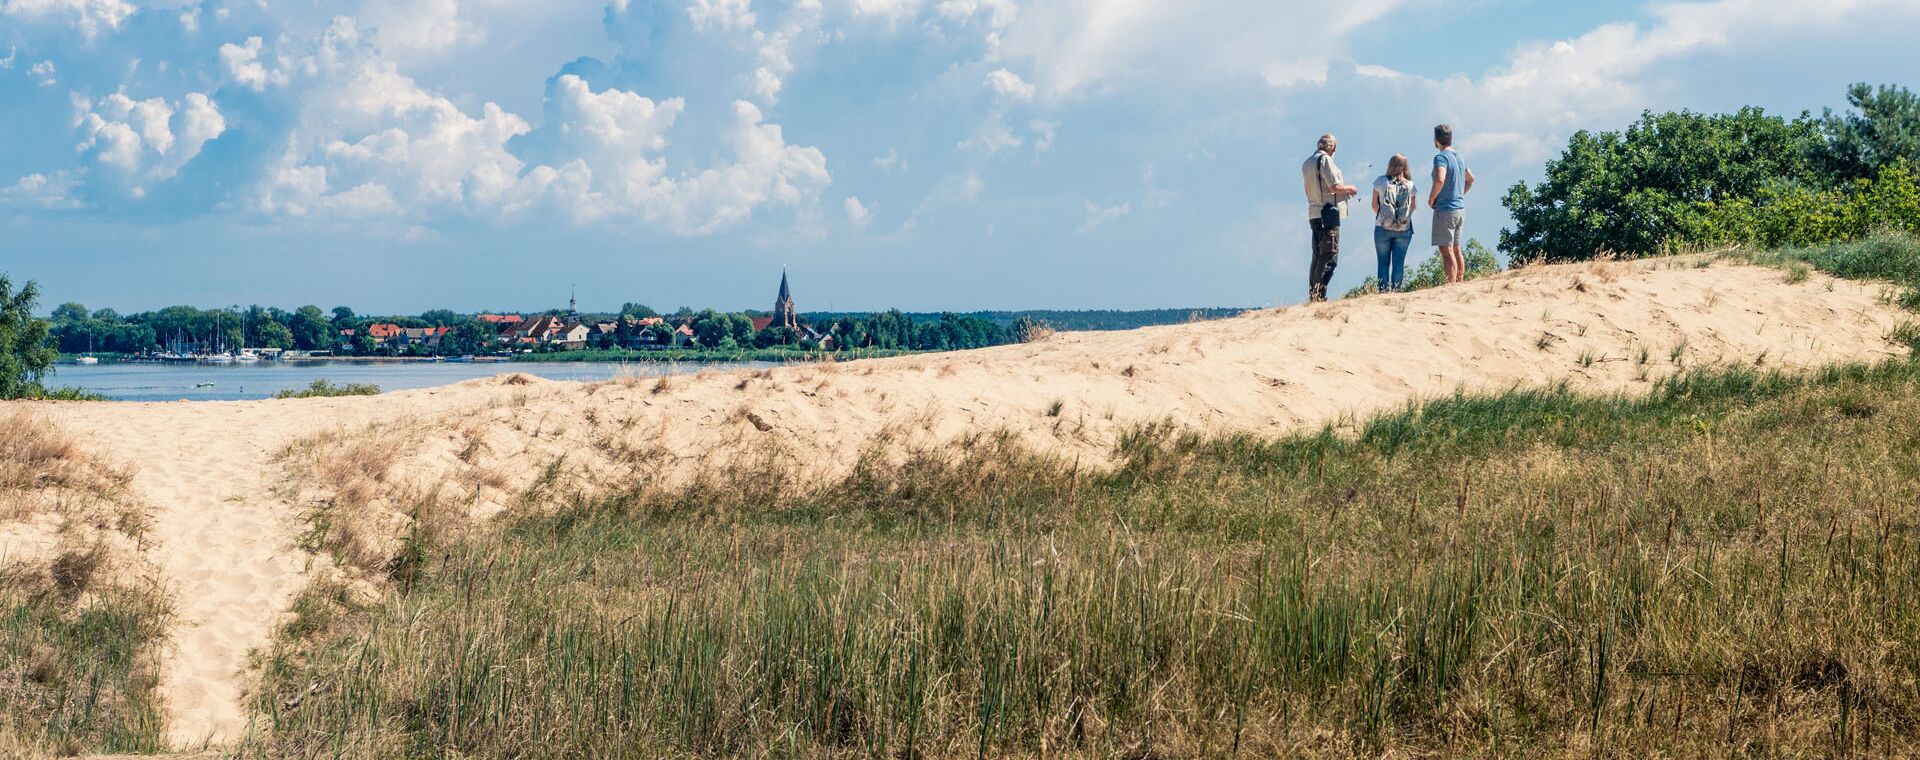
(637, 311)
(468, 337)
(26, 347)
(325, 389)
(1796, 216)
(1630, 192)
(1882, 129)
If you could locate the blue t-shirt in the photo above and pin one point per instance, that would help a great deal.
(1453, 191)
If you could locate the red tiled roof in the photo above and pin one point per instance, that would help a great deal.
(760, 323)
(501, 319)
(383, 330)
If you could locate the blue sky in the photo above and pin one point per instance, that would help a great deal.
(399, 155)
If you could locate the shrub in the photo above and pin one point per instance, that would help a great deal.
(325, 389)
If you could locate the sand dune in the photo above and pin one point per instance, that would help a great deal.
(225, 527)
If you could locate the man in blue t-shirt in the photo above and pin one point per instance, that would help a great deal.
(1452, 180)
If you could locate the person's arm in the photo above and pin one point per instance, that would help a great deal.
(1469, 186)
(1439, 181)
(1335, 189)
(1376, 200)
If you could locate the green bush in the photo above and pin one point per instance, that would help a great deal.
(1795, 216)
(324, 389)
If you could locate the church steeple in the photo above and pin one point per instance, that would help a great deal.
(573, 306)
(783, 312)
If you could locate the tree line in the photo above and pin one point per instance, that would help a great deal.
(75, 329)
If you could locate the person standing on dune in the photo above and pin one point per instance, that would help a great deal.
(1452, 180)
(1327, 194)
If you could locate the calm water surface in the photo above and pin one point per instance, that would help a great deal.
(238, 382)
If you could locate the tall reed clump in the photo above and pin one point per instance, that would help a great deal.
(77, 645)
(1723, 567)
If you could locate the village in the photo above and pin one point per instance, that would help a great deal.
(569, 330)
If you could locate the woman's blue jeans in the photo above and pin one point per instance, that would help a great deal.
(1391, 247)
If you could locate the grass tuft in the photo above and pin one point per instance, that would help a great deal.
(326, 389)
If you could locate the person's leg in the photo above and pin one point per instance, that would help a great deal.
(1319, 260)
(1456, 224)
(1383, 241)
(1398, 269)
(1333, 260)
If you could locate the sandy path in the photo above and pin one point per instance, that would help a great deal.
(218, 536)
(226, 541)
(221, 536)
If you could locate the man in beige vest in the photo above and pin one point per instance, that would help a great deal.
(1327, 194)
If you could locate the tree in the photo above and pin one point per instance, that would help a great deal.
(440, 318)
(1883, 128)
(343, 318)
(1632, 192)
(310, 328)
(776, 335)
(662, 335)
(25, 356)
(70, 312)
(637, 311)
(709, 327)
(470, 337)
(271, 334)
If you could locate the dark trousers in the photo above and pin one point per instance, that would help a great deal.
(1326, 256)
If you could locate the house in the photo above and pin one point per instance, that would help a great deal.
(381, 332)
(421, 336)
(501, 319)
(539, 330)
(572, 335)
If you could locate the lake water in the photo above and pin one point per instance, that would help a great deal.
(238, 382)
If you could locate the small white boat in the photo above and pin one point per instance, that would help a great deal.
(217, 359)
(247, 358)
(86, 360)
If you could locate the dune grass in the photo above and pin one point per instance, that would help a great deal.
(326, 389)
(77, 646)
(1724, 567)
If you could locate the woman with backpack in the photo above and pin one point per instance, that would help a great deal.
(1393, 204)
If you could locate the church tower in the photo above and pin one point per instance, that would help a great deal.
(783, 313)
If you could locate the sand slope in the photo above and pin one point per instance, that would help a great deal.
(224, 535)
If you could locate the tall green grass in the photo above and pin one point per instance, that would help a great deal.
(77, 675)
(1724, 567)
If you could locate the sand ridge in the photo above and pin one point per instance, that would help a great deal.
(226, 537)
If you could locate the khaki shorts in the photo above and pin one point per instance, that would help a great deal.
(1446, 228)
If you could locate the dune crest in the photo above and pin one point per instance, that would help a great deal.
(226, 522)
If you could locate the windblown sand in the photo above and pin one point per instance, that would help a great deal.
(219, 476)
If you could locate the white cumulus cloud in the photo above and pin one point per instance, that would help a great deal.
(243, 66)
(858, 214)
(50, 192)
(1009, 85)
(89, 17)
(146, 141)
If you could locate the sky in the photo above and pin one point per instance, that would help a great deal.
(397, 156)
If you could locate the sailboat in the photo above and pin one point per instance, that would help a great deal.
(88, 357)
